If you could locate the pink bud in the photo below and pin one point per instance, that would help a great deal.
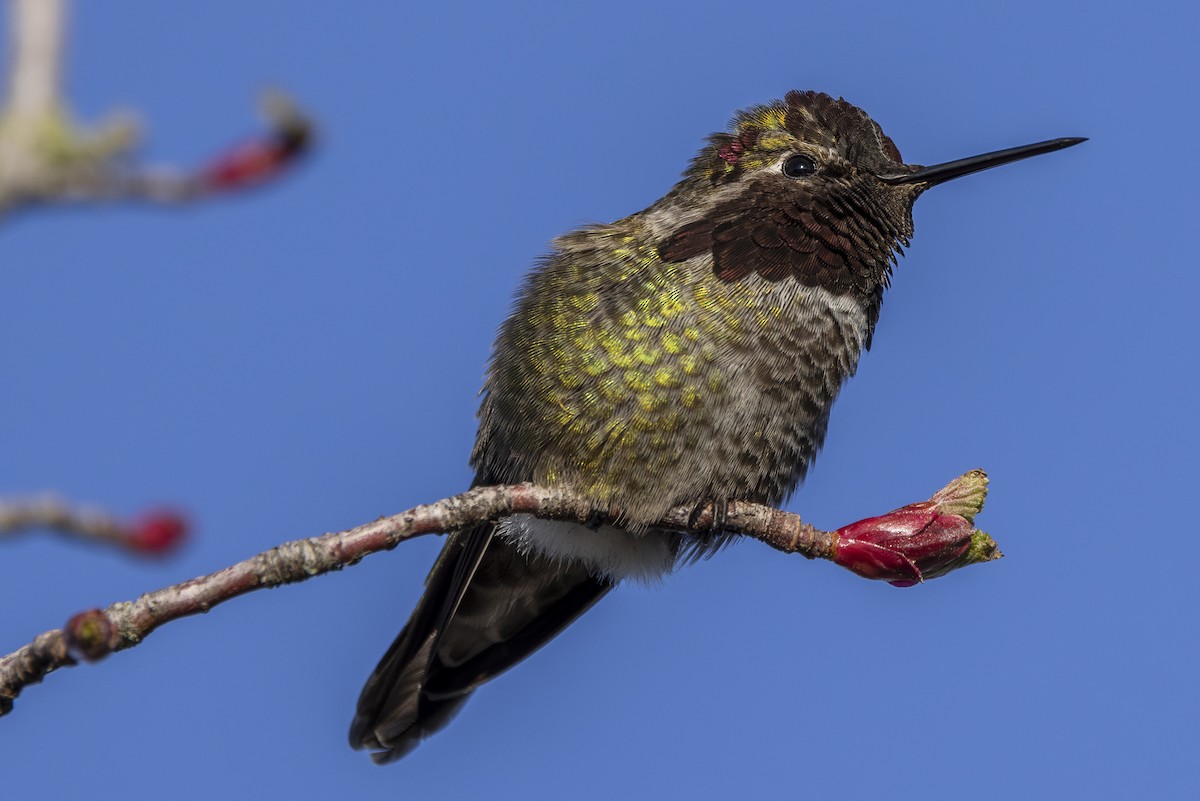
(250, 163)
(157, 533)
(919, 541)
(258, 160)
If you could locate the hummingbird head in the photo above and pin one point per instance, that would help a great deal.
(808, 189)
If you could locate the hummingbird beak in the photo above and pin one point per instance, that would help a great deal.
(940, 173)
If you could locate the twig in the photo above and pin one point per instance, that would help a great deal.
(152, 533)
(94, 634)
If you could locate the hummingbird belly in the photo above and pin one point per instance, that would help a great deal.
(606, 551)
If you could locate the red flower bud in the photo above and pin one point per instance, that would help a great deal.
(157, 533)
(251, 163)
(922, 540)
(261, 159)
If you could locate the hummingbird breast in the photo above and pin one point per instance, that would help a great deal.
(649, 385)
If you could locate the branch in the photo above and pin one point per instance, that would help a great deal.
(45, 157)
(154, 533)
(907, 546)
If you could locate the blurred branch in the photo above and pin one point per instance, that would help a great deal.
(45, 157)
(871, 547)
(153, 533)
(36, 46)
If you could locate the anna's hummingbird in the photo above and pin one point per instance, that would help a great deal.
(684, 355)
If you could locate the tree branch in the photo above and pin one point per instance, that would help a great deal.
(934, 545)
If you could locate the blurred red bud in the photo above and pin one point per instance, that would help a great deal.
(261, 159)
(252, 162)
(922, 540)
(157, 533)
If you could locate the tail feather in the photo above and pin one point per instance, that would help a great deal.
(486, 607)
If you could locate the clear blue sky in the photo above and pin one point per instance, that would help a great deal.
(307, 358)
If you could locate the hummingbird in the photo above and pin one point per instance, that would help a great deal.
(686, 355)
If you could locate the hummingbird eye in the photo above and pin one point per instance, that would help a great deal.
(798, 166)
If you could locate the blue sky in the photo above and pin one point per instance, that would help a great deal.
(307, 358)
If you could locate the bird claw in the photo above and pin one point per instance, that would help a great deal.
(720, 515)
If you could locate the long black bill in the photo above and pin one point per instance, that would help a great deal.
(940, 173)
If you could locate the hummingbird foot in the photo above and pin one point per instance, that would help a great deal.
(715, 525)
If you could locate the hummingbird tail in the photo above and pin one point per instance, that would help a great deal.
(486, 607)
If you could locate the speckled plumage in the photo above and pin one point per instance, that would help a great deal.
(685, 354)
(651, 384)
